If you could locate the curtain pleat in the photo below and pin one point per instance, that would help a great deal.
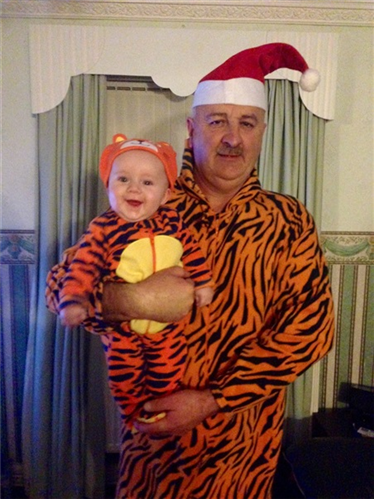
(291, 163)
(57, 417)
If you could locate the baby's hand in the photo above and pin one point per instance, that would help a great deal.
(203, 296)
(73, 315)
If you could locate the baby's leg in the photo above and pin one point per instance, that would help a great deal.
(165, 354)
(126, 371)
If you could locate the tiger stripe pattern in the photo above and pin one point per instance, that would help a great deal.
(146, 365)
(271, 318)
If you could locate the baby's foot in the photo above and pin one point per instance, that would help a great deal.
(149, 418)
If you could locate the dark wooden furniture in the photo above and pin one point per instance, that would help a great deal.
(337, 462)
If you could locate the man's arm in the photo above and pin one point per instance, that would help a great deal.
(166, 296)
(297, 331)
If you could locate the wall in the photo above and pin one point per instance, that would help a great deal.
(348, 195)
(348, 177)
(19, 130)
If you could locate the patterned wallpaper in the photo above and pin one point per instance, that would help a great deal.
(17, 257)
(350, 256)
(17, 247)
(348, 247)
(339, 247)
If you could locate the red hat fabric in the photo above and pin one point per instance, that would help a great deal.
(240, 79)
(121, 144)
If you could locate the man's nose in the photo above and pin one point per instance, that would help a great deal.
(232, 136)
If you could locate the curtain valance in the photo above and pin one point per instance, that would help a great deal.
(176, 58)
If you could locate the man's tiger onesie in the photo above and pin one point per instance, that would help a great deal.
(271, 318)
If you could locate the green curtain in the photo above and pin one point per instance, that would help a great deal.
(291, 162)
(63, 366)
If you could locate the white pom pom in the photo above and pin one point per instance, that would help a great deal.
(309, 80)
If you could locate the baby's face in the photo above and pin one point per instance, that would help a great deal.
(137, 185)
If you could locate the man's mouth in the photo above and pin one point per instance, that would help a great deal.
(232, 153)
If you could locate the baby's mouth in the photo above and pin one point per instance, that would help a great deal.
(133, 202)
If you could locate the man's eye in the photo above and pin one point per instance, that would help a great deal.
(248, 124)
(216, 123)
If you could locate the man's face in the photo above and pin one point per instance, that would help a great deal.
(226, 141)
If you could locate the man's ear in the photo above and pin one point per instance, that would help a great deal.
(264, 130)
(190, 128)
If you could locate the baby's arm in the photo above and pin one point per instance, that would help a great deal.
(203, 296)
(73, 315)
(82, 275)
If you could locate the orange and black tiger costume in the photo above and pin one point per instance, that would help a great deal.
(271, 318)
(112, 248)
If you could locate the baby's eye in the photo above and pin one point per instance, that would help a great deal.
(123, 179)
(148, 182)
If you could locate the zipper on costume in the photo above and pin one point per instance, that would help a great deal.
(153, 249)
(154, 260)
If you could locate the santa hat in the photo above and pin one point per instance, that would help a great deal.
(120, 145)
(240, 79)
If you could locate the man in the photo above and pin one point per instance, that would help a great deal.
(271, 317)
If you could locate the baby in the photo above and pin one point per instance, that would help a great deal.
(137, 236)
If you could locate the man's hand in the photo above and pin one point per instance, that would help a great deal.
(166, 296)
(184, 410)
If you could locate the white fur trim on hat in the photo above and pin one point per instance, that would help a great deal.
(241, 91)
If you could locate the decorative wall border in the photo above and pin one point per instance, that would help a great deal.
(351, 13)
(348, 247)
(17, 247)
